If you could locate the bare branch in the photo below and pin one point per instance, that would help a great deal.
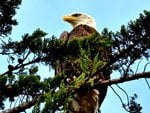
(126, 79)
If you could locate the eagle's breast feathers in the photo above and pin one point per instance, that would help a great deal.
(80, 31)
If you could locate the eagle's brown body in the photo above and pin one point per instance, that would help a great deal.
(85, 100)
(80, 31)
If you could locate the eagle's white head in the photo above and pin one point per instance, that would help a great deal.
(76, 19)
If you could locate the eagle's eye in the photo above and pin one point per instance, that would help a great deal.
(76, 15)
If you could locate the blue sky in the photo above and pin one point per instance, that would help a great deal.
(47, 15)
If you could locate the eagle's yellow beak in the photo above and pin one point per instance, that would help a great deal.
(69, 18)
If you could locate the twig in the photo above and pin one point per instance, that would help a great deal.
(145, 78)
(119, 98)
(138, 66)
(147, 83)
(124, 92)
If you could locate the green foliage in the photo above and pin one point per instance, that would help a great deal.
(36, 108)
(3, 80)
(7, 11)
(108, 51)
(89, 66)
(97, 63)
(59, 92)
(85, 61)
(95, 42)
(79, 81)
(130, 43)
(33, 70)
(133, 106)
(54, 99)
(35, 41)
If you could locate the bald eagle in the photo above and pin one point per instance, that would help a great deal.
(83, 25)
(85, 100)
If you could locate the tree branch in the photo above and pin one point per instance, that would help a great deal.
(126, 79)
(23, 65)
(21, 107)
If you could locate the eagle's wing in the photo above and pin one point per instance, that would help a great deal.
(64, 36)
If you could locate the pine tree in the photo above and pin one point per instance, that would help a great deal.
(7, 11)
(22, 86)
